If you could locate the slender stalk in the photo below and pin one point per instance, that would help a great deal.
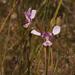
(28, 54)
(51, 59)
(28, 72)
(46, 60)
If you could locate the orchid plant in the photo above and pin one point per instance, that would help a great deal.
(29, 15)
(48, 36)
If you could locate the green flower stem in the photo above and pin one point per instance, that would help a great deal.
(46, 59)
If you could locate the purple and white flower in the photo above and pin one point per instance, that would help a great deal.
(48, 36)
(29, 15)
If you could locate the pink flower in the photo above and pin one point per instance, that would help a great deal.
(29, 15)
(48, 36)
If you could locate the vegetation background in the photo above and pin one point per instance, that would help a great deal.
(20, 50)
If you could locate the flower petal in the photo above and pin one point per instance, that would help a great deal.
(27, 17)
(35, 32)
(33, 13)
(47, 43)
(28, 13)
(29, 10)
(56, 30)
(26, 25)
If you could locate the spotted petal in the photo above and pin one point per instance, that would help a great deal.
(33, 13)
(35, 32)
(56, 30)
(47, 43)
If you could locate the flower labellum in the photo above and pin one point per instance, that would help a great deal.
(48, 36)
(29, 15)
(47, 43)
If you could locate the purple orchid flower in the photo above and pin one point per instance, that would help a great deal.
(48, 36)
(29, 15)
